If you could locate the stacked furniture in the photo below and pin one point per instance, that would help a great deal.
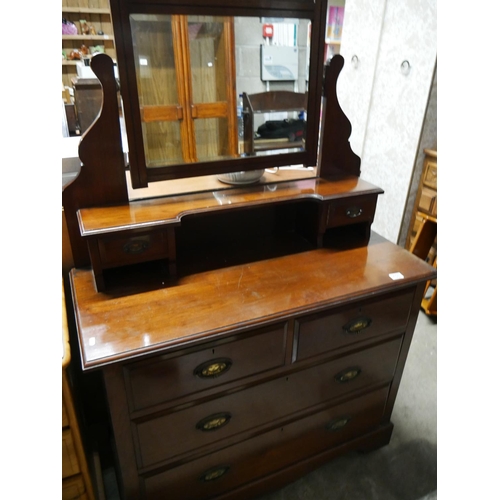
(422, 237)
(245, 335)
(76, 481)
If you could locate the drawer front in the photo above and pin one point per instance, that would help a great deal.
(133, 249)
(74, 489)
(70, 465)
(319, 333)
(228, 468)
(65, 419)
(428, 199)
(165, 380)
(166, 436)
(352, 211)
(430, 175)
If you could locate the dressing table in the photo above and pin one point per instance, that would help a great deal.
(246, 334)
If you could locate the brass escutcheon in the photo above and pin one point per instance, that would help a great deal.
(338, 423)
(214, 368)
(357, 325)
(135, 246)
(347, 375)
(213, 422)
(214, 473)
(354, 212)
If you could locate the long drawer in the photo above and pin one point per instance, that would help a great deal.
(171, 434)
(319, 333)
(167, 379)
(236, 465)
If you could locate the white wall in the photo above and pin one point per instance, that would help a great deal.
(386, 107)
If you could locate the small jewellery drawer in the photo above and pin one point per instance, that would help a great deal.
(351, 211)
(319, 333)
(235, 465)
(220, 418)
(158, 381)
(121, 251)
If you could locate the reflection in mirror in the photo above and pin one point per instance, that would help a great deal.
(191, 91)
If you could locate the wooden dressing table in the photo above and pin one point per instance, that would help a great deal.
(245, 335)
(257, 372)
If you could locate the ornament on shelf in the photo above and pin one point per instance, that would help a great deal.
(68, 28)
(84, 27)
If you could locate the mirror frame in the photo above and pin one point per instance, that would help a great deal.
(314, 10)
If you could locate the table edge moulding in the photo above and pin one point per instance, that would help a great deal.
(246, 335)
(235, 298)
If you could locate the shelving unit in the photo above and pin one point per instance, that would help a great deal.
(332, 47)
(333, 35)
(98, 14)
(422, 237)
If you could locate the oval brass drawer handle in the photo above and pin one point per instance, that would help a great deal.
(337, 424)
(135, 246)
(353, 212)
(213, 368)
(214, 422)
(347, 375)
(215, 473)
(357, 325)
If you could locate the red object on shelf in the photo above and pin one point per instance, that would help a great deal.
(267, 30)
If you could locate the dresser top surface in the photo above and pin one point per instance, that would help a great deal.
(128, 323)
(169, 209)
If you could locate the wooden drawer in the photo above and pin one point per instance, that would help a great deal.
(65, 419)
(263, 403)
(70, 465)
(228, 468)
(430, 175)
(122, 251)
(351, 211)
(73, 488)
(320, 333)
(428, 199)
(157, 382)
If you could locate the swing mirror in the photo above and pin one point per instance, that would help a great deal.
(205, 93)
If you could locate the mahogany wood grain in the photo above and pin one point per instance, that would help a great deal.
(263, 403)
(170, 209)
(268, 452)
(405, 348)
(371, 440)
(102, 176)
(128, 481)
(335, 154)
(208, 304)
(320, 333)
(146, 381)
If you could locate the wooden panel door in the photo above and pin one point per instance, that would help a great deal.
(186, 85)
(212, 92)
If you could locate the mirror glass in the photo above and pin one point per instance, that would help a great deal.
(213, 88)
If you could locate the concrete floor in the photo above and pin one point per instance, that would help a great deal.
(405, 469)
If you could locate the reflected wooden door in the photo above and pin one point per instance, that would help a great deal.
(186, 82)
